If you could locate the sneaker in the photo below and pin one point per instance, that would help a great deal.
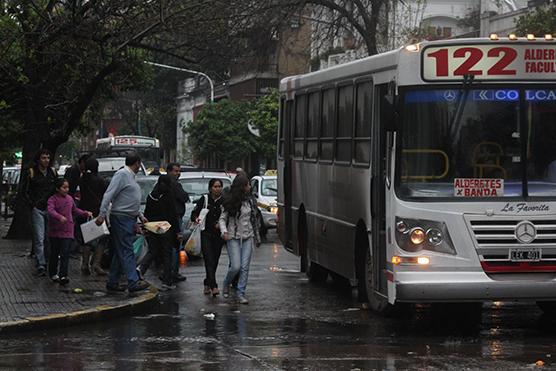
(64, 281)
(243, 300)
(226, 291)
(215, 291)
(168, 286)
(206, 290)
(139, 286)
(55, 278)
(116, 288)
(41, 271)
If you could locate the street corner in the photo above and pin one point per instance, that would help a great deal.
(129, 305)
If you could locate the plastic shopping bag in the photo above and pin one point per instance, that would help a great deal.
(91, 231)
(158, 227)
(140, 248)
(193, 244)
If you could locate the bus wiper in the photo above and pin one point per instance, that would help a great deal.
(462, 101)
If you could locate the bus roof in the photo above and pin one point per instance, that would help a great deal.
(405, 66)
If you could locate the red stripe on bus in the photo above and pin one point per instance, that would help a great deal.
(518, 267)
(390, 276)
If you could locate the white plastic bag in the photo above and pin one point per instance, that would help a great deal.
(193, 244)
(203, 213)
(92, 231)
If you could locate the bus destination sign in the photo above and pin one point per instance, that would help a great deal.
(478, 187)
(489, 62)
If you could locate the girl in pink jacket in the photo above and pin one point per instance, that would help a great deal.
(61, 208)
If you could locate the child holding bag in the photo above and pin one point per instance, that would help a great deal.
(61, 209)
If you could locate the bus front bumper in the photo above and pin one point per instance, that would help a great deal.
(473, 286)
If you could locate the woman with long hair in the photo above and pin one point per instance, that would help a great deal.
(211, 242)
(239, 228)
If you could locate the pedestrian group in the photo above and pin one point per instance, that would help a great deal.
(226, 217)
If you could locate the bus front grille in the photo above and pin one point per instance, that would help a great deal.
(495, 238)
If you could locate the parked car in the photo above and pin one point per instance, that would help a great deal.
(195, 184)
(265, 189)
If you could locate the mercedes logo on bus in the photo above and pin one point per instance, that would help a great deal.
(525, 232)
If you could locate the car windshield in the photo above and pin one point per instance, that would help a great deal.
(196, 187)
(477, 143)
(269, 188)
(146, 185)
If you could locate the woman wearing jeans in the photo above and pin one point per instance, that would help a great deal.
(240, 230)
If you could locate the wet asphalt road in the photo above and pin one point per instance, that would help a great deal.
(291, 324)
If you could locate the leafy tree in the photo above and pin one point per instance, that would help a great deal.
(220, 134)
(60, 57)
(540, 22)
(264, 115)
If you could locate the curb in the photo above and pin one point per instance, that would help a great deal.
(100, 312)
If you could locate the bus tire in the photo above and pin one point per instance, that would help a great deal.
(365, 278)
(548, 307)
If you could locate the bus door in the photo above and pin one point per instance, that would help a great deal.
(287, 127)
(379, 165)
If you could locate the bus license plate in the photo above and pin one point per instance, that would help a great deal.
(525, 255)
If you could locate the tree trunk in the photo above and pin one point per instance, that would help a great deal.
(21, 223)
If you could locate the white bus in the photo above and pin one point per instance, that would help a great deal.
(117, 146)
(426, 174)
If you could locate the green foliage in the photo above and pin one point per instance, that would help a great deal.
(540, 22)
(220, 131)
(264, 114)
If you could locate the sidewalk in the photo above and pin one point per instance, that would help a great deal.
(29, 302)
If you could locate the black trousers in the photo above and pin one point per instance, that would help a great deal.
(161, 246)
(59, 250)
(211, 246)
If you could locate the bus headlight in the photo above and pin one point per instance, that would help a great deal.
(417, 234)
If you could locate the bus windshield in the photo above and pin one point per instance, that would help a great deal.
(473, 143)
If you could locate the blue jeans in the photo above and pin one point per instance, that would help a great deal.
(239, 253)
(59, 249)
(39, 219)
(123, 260)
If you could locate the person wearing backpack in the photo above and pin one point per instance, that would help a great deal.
(161, 207)
(211, 241)
(38, 186)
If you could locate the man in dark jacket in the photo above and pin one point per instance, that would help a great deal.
(73, 174)
(38, 186)
(161, 206)
(181, 198)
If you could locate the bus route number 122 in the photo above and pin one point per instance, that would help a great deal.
(474, 62)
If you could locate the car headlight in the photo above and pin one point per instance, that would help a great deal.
(418, 234)
(273, 209)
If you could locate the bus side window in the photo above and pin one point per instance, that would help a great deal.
(363, 120)
(313, 119)
(283, 122)
(300, 120)
(327, 128)
(345, 124)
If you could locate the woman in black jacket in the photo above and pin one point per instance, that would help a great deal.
(211, 242)
(161, 207)
(91, 189)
